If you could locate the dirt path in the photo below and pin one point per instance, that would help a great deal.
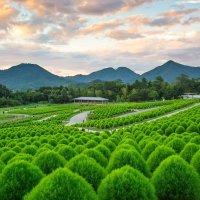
(79, 118)
(46, 118)
(135, 112)
(148, 120)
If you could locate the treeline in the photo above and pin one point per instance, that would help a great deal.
(140, 90)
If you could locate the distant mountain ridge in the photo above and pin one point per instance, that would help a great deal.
(32, 76)
(29, 76)
(108, 74)
(171, 70)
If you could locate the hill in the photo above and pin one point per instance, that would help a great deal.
(32, 76)
(29, 76)
(108, 74)
(171, 70)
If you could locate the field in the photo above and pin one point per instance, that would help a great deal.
(122, 151)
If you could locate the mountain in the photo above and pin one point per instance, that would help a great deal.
(171, 70)
(108, 74)
(32, 76)
(29, 76)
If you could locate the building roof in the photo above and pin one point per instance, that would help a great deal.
(90, 99)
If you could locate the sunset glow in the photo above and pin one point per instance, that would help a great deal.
(71, 37)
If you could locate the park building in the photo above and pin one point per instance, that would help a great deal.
(191, 96)
(90, 100)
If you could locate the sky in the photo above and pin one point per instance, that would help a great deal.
(69, 37)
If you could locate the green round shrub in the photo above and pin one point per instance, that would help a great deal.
(169, 131)
(104, 150)
(67, 152)
(53, 142)
(79, 149)
(21, 157)
(180, 129)
(132, 143)
(122, 157)
(17, 179)
(150, 147)
(99, 157)
(157, 156)
(2, 165)
(195, 140)
(88, 168)
(195, 161)
(62, 184)
(17, 149)
(29, 150)
(109, 144)
(91, 144)
(192, 128)
(175, 179)
(176, 144)
(5, 157)
(189, 150)
(124, 184)
(48, 161)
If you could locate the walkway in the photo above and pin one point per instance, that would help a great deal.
(148, 120)
(79, 118)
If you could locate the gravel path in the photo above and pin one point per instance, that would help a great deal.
(148, 120)
(79, 118)
(46, 118)
(135, 112)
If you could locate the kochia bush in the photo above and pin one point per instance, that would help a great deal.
(195, 162)
(131, 157)
(176, 144)
(17, 179)
(189, 150)
(62, 184)
(67, 152)
(157, 156)
(88, 168)
(48, 161)
(5, 157)
(124, 184)
(98, 156)
(149, 148)
(175, 179)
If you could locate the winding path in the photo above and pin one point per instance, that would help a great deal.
(148, 120)
(79, 118)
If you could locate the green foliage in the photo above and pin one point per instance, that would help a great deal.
(122, 157)
(88, 168)
(104, 150)
(175, 179)
(192, 128)
(17, 179)
(5, 157)
(29, 150)
(67, 152)
(176, 144)
(96, 155)
(149, 148)
(169, 131)
(62, 184)
(124, 184)
(195, 162)
(189, 150)
(48, 161)
(180, 129)
(2, 165)
(157, 156)
(21, 157)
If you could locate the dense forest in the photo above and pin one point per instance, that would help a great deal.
(140, 90)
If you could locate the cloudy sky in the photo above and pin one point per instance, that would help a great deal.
(71, 37)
